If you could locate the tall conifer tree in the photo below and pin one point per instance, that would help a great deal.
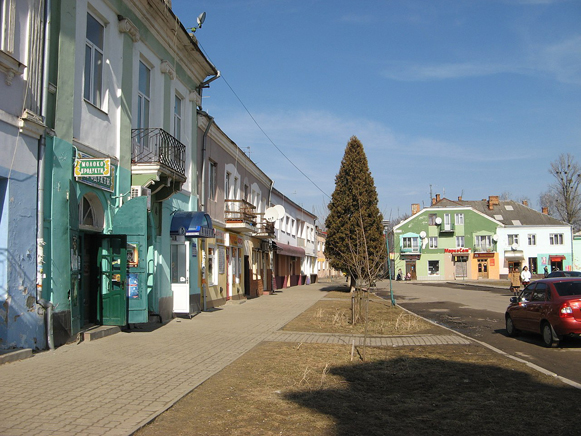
(355, 243)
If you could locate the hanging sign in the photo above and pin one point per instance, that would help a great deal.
(92, 167)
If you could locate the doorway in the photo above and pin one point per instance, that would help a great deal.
(482, 268)
(410, 268)
(179, 275)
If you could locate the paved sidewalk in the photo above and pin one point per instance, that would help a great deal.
(115, 385)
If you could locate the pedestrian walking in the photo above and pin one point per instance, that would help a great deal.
(515, 281)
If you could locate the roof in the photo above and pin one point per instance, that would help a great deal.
(507, 212)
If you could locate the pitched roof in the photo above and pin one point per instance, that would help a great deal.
(508, 212)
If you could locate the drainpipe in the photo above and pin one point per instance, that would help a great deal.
(203, 193)
(206, 84)
(46, 305)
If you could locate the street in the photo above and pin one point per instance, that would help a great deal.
(478, 312)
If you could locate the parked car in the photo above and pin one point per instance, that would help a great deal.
(564, 274)
(551, 307)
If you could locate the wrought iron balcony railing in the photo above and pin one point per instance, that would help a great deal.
(239, 211)
(263, 227)
(157, 146)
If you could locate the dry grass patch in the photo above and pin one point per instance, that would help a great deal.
(314, 389)
(334, 316)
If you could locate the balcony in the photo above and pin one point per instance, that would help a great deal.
(447, 228)
(264, 229)
(240, 216)
(158, 160)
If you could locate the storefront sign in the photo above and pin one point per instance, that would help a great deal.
(104, 182)
(457, 250)
(92, 167)
(483, 255)
(219, 237)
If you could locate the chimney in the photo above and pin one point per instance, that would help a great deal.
(493, 201)
(545, 210)
(415, 208)
(437, 197)
(459, 198)
(525, 203)
(433, 201)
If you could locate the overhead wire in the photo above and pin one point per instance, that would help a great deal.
(260, 127)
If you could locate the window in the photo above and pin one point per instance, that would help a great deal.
(447, 221)
(532, 239)
(459, 219)
(143, 101)
(433, 267)
(94, 61)
(483, 243)
(411, 243)
(227, 186)
(432, 219)
(556, 239)
(512, 239)
(212, 270)
(236, 188)
(246, 192)
(433, 242)
(213, 179)
(177, 118)
(460, 241)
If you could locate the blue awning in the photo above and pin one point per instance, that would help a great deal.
(192, 225)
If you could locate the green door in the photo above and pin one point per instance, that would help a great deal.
(75, 261)
(132, 220)
(112, 260)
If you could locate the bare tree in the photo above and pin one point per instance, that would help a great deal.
(563, 197)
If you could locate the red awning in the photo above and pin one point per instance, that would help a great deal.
(557, 258)
(289, 250)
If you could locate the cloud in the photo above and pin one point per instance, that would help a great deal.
(560, 60)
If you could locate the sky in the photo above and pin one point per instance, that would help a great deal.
(466, 98)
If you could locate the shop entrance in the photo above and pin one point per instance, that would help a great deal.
(410, 270)
(482, 268)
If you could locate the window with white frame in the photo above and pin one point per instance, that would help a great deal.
(227, 186)
(7, 22)
(212, 266)
(532, 239)
(236, 188)
(411, 243)
(483, 242)
(433, 267)
(213, 188)
(459, 219)
(143, 97)
(177, 118)
(460, 242)
(433, 242)
(556, 239)
(512, 239)
(94, 61)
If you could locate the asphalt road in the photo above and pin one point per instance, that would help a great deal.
(478, 312)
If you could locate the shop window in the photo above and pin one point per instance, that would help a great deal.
(434, 267)
(212, 270)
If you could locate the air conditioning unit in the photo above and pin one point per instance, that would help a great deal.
(140, 191)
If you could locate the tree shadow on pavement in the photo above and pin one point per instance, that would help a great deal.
(426, 396)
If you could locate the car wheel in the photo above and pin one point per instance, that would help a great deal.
(550, 338)
(510, 328)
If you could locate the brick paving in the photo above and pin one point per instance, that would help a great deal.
(115, 385)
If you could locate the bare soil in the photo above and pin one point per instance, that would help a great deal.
(316, 389)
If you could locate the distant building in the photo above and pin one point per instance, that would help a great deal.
(452, 240)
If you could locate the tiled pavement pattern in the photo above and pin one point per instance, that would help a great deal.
(115, 385)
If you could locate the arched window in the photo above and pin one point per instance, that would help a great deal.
(91, 215)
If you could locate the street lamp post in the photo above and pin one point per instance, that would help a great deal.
(385, 227)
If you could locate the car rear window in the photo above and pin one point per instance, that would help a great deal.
(568, 288)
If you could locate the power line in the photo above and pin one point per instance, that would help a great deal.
(261, 129)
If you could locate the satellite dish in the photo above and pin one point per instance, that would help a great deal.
(271, 214)
(280, 210)
(514, 247)
(201, 19)
(422, 234)
(495, 238)
(438, 220)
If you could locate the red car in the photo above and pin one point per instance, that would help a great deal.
(551, 307)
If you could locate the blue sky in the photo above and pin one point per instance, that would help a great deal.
(472, 97)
